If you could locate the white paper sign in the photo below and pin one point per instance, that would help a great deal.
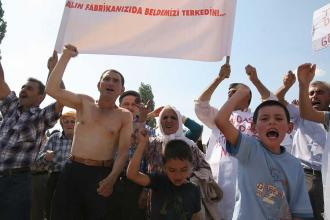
(321, 28)
(183, 29)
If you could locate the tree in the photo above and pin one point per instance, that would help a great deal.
(3, 24)
(145, 91)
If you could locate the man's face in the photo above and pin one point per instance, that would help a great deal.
(129, 102)
(169, 121)
(177, 171)
(29, 95)
(272, 125)
(319, 96)
(68, 124)
(110, 84)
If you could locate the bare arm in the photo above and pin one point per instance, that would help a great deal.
(253, 77)
(306, 74)
(288, 80)
(4, 88)
(106, 185)
(223, 74)
(154, 113)
(53, 87)
(133, 171)
(223, 115)
(51, 63)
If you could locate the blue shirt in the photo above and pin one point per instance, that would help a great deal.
(270, 186)
(61, 146)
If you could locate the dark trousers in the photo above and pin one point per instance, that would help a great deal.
(126, 197)
(76, 196)
(15, 196)
(38, 195)
(315, 191)
(50, 190)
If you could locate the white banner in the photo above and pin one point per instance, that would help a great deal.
(321, 28)
(183, 29)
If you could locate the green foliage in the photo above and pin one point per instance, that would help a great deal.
(3, 24)
(145, 91)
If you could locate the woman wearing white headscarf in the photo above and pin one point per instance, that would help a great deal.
(171, 128)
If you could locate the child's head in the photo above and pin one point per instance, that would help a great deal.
(271, 121)
(177, 161)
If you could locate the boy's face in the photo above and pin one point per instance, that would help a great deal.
(177, 171)
(271, 126)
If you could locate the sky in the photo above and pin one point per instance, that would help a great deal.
(273, 36)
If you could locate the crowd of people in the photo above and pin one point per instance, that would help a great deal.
(107, 163)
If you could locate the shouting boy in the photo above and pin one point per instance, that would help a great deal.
(270, 180)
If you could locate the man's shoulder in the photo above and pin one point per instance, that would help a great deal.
(123, 110)
(55, 135)
(11, 97)
(87, 98)
(124, 113)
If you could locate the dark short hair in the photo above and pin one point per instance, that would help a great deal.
(234, 85)
(40, 85)
(114, 71)
(270, 103)
(130, 93)
(177, 149)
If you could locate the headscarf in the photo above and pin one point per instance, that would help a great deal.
(178, 135)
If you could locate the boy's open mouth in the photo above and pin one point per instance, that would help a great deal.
(272, 134)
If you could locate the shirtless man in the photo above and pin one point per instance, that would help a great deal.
(101, 130)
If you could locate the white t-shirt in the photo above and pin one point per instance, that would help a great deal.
(308, 141)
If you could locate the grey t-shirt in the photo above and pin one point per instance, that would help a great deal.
(270, 186)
